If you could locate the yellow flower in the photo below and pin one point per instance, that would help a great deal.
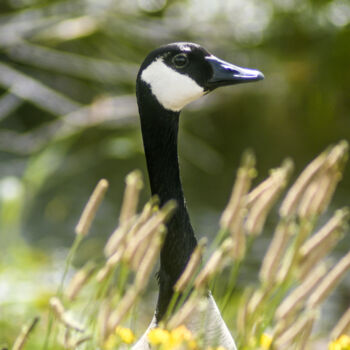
(265, 341)
(125, 334)
(342, 343)
(171, 340)
(157, 336)
(180, 334)
(192, 345)
(334, 346)
(344, 340)
(110, 343)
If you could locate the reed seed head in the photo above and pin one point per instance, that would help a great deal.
(91, 207)
(22, 339)
(80, 278)
(146, 265)
(61, 314)
(117, 239)
(190, 307)
(336, 223)
(125, 304)
(295, 330)
(242, 184)
(295, 193)
(338, 155)
(134, 185)
(215, 263)
(298, 296)
(258, 212)
(57, 307)
(329, 282)
(191, 266)
(342, 326)
(274, 253)
(138, 245)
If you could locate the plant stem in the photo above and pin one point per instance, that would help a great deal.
(69, 259)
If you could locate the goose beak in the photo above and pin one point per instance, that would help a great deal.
(225, 73)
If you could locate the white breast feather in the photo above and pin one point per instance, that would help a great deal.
(173, 90)
(207, 322)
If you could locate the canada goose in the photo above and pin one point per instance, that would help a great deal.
(169, 78)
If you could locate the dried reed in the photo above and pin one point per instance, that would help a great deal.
(185, 311)
(237, 200)
(191, 266)
(295, 193)
(91, 207)
(298, 296)
(292, 333)
(131, 196)
(294, 280)
(22, 338)
(77, 282)
(335, 224)
(275, 252)
(62, 315)
(343, 325)
(216, 263)
(329, 282)
(125, 304)
(261, 207)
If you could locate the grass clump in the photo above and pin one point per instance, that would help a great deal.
(97, 308)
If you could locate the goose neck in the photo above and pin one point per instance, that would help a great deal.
(159, 131)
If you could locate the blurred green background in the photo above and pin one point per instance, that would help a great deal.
(68, 115)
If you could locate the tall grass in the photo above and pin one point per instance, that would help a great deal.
(96, 308)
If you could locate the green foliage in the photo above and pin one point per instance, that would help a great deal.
(295, 276)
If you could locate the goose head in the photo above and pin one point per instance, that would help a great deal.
(179, 73)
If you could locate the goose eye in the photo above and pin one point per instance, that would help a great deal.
(180, 60)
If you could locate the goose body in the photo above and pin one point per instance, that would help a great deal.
(169, 78)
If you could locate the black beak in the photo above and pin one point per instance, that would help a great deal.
(225, 73)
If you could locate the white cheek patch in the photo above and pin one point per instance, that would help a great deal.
(173, 90)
